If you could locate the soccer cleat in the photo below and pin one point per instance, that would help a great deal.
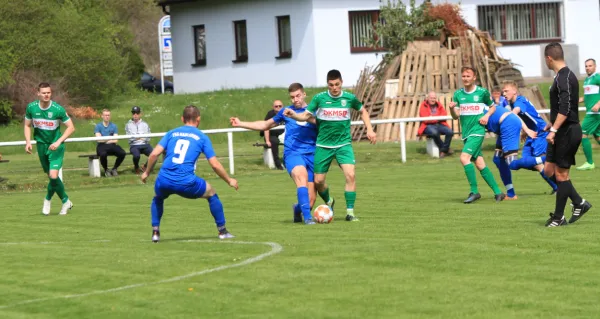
(155, 236)
(472, 197)
(332, 200)
(511, 198)
(586, 167)
(351, 218)
(556, 222)
(107, 173)
(297, 215)
(46, 208)
(65, 207)
(579, 210)
(501, 197)
(224, 233)
(114, 172)
(309, 222)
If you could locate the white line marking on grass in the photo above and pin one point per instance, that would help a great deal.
(275, 249)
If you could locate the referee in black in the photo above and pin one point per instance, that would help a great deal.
(564, 136)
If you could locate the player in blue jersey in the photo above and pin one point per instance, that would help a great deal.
(183, 146)
(534, 149)
(507, 126)
(498, 98)
(299, 150)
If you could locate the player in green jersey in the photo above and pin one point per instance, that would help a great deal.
(332, 109)
(470, 104)
(46, 116)
(591, 123)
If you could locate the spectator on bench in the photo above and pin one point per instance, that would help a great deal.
(432, 107)
(141, 145)
(272, 136)
(110, 147)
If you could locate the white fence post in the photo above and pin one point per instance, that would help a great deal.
(403, 141)
(230, 146)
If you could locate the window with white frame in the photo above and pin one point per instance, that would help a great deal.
(241, 41)
(199, 45)
(361, 23)
(521, 23)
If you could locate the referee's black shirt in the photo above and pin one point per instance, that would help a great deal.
(564, 97)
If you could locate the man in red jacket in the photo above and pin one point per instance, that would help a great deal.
(433, 129)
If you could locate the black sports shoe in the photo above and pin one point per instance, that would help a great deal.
(500, 197)
(579, 210)
(155, 236)
(297, 215)
(472, 197)
(555, 222)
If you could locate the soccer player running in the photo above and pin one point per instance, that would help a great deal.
(471, 102)
(177, 175)
(534, 149)
(591, 122)
(332, 111)
(564, 136)
(46, 116)
(299, 150)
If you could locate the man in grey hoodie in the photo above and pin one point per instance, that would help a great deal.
(141, 145)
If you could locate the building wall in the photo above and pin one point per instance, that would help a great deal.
(332, 39)
(262, 69)
(582, 25)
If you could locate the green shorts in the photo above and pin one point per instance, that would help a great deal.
(591, 125)
(51, 160)
(324, 157)
(473, 146)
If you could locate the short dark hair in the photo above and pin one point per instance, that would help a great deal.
(43, 85)
(190, 113)
(295, 87)
(555, 51)
(590, 59)
(334, 75)
(467, 68)
(496, 89)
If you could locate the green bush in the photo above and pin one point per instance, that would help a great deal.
(6, 112)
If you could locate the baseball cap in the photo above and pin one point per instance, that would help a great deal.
(136, 109)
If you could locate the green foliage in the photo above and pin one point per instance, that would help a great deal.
(400, 25)
(6, 112)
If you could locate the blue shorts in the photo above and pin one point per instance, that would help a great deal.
(192, 189)
(510, 133)
(292, 160)
(535, 147)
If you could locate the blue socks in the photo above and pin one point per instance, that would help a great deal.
(216, 209)
(505, 175)
(549, 181)
(303, 202)
(156, 210)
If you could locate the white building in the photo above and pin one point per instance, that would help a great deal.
(252, 43)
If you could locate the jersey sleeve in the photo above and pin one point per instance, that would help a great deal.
(313, 106)
(278, 118)
(456, 99)
(356, 104)
(487, 98)
(207, 147)
(164, 141)
(63, 116)
(28, 113)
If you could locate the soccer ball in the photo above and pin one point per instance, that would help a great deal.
(323, 214)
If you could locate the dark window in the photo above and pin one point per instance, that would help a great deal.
(521, 23)
(241, 41)
(361, 23)
(199, 45)
(284, 33)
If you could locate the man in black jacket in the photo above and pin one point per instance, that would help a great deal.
(564, 137)
(272, 136)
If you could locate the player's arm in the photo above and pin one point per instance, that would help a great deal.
(220, 171)
(70, 129)
(366, 118)
(564, 90)
(453, 110)
(516, 110)
(158, 149)
(27, 132)
(301, 117)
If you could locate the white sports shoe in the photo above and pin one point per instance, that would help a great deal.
(46, 208)
(65, 207)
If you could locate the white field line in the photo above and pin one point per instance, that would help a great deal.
(275, 249)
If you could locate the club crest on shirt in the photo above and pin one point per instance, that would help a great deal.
(50, 114)
(344, 102)
(476, 98)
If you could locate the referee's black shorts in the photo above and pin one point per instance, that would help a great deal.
(566, 142)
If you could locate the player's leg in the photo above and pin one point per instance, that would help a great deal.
(510, 133)
(537, 151)
(310, 171)
(488, 177)
(345, 158)
(56, 161)
(161, 192)
(135, 151)
(215, 206)
(465, 159)
(322, 162)
(42, 150)
(527, 160)
(588, 127)
(296, 167)
(502, 164)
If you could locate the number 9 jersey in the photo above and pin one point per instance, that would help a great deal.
(183, 146)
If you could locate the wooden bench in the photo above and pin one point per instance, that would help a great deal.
(4, 161)
(94, 164)
(267, 155)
